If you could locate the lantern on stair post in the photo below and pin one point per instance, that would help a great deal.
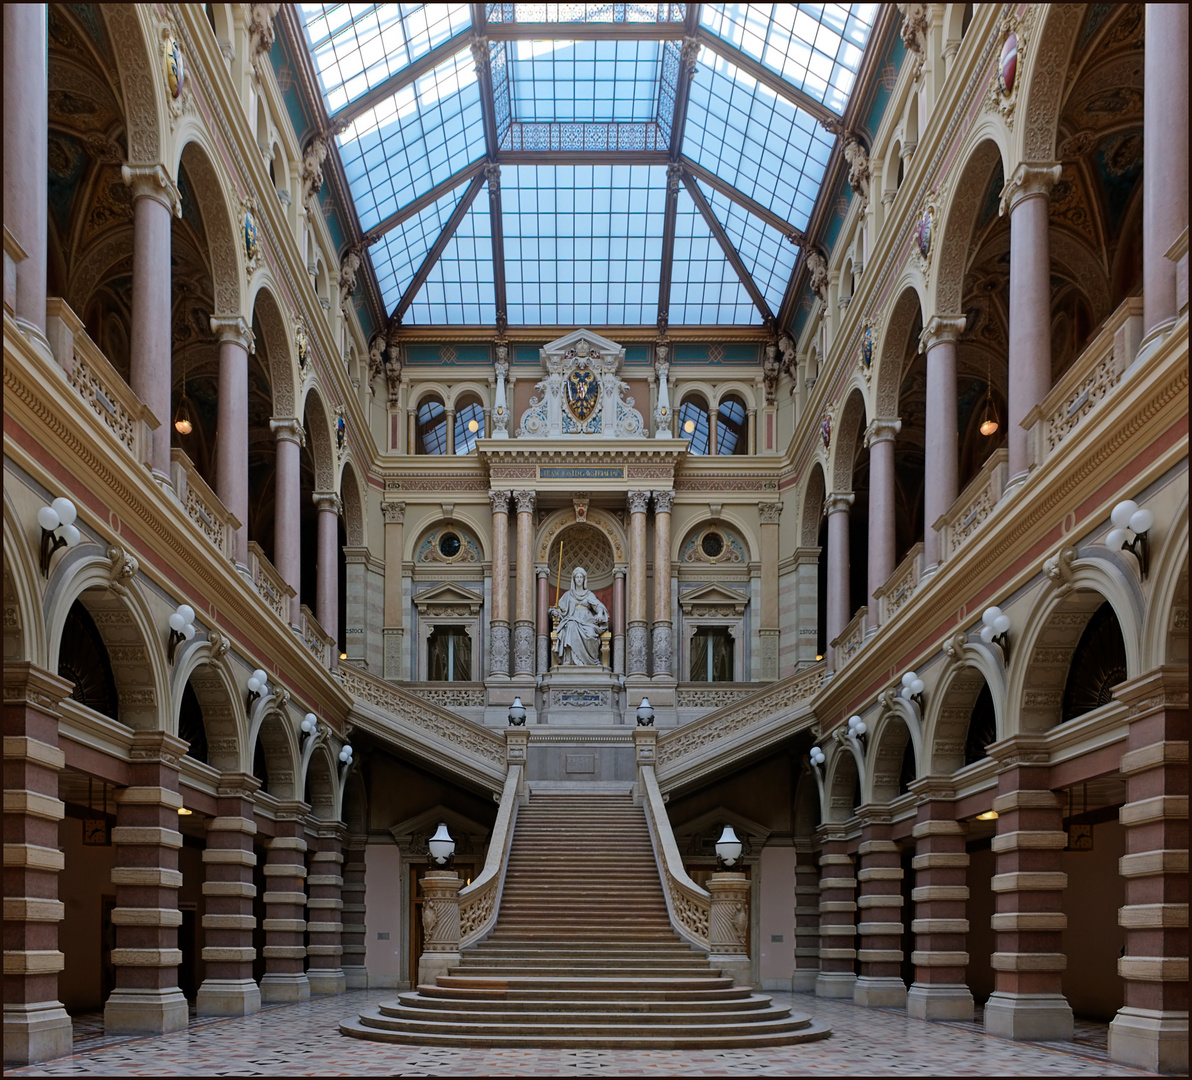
(728, 921)
(440, 910)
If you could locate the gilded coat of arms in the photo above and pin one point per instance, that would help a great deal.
(583, 393)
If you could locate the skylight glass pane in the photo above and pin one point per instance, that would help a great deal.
(357, 46)
(584, 80)
(583, 243)
(767, 254)
(705, 289)
(403, 146)
(398, 254)
(817, 48)
(459, 290)
(761, 143)
(587, 13)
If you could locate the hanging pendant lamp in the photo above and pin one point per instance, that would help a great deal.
(182, 421)
(990, 421)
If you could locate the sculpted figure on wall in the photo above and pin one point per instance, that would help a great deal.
(580, 619)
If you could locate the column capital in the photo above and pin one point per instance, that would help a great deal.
(524, 500)
(238, 785)
(881, 431)
(158, 746)
(638, 501)
(770, 512)
(394, 513)
(1162, 688)
(292, 810)
(941, 329)
(499, 501)
(288, 428)
(233, 328)
(933, 789)
(153, 182)
(27, 682)
(1031, 178)
(838, 502)
(663, 501)
(328, 500)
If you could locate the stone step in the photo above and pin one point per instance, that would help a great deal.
(626, 982)
(690, 1003)
(597, 965)
(613, 992)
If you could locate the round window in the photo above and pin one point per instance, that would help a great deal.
(449, 545)
(712, 545)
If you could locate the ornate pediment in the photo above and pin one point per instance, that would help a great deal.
(448, 599)
(713, 599)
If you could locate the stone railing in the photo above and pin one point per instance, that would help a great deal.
(852, 637)
(99, 384)
(900, 586)
(480, 902)
(1082, 388)
(314, 637)
(272, 589)
(201, 504)
(975, 504)
(689, 906)
(705, 696)
(451, 695)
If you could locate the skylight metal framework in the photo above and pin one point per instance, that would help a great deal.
(573, 147)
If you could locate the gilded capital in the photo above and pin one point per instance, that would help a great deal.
(1030, 178)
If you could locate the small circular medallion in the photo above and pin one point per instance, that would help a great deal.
(712, 544)
(450, 545)
(1007, 67)
(175, 70)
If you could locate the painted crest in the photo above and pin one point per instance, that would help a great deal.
(826, 430)
(251, 242)
(175, 69)
(923, 232)
(302, 344)
(341, 431)
(583, 393)
(867, 347)
(1008, 65)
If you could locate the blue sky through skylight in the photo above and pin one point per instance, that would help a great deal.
(704, 286)
(459, 289)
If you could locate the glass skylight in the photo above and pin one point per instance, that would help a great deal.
(764, 145)
(586, 13)
(583, 243)
(815, 47)
(357, 46)
(403, 146)
(704, 286)
(459, 290)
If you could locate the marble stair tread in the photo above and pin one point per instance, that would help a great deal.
(615, 1014)
(425, 998)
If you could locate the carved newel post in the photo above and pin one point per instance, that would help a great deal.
(728, 925)
(440, 925)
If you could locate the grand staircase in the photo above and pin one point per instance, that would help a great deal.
(583, 954)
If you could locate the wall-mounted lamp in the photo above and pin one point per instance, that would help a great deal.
(912, 688)
(989, 815)
(183, 812)
(258, 685)
(182, 628)
(857, 728)
(1131, 526)
(688, 427)
(310, 724)
(728, 848)
(473, 426)
(517, 713)
(817, 758)
(645, 714)
(60, 514)
(995, 628)
(441, 847)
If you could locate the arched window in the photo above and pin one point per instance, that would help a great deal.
(83, 662)
(432, 427)
(469, 426)
(693, 424)
(982, 729)
(1098, 665)
(731, 433)
(966, 19)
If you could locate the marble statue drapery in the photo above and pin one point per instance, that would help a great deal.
(581, 619)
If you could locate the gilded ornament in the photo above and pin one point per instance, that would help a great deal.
(175, 69)
(252, 247)
(826, 430)
(923, 232)
(302, 344)
(867, 347)
(1008, 64)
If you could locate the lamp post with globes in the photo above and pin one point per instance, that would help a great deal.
(440, 909)
(728, 919)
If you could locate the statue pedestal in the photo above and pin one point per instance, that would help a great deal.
(580, 696)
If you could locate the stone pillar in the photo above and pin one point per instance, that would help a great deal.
(327, 566)
(838, 598)
(285, 909)
(154, 196)
(440, 925)
(147, 1000)
(1165, 162)
(619, 622)
(354, 932)
(543, 616)
(713, 420)
(939, 991)
(324, 904)
(231, 448)
(728, 925)
(1150, 1031)
(805, 606)
(394, 630)
(941, 468)
(751, 420)
(807, 917)
(1029, 920)
(287, 520)
(636, 629)
(1026, 197)
(228, 923)
(498, 652)
(880, 903)
(523, 616)
(882, 542)
(451, 431)
(768, 632)
(663, 624)
(837, 911)
(26, 172)
(36, 1026)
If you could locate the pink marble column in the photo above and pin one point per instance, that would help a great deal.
(1165, 158)
(838, 609)
(327, 566)
(231, 448)
(941, 467)
(498, 650)
(663, 630)
(154, 196)
(523, 614)
(287, 521)
(638, 502)
(619, 622)
(26, 148)
(1026, 198)
(543, 617)
(880, 436)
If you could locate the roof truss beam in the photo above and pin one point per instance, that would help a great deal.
(744, 201)
(558, 31)
(423, 201)
(488, 108)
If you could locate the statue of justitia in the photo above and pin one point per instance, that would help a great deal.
(580, 620)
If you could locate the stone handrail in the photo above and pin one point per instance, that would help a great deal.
(1087, 383)
(689, 906)
(272, 589)
(480, 902)
(710, 695)
(900, 586)
(314, 637)
(450, 695)
(974, 505)
(851, 638)
(215, 521)
(100, 385)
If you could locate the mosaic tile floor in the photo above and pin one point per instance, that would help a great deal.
(303, 1040)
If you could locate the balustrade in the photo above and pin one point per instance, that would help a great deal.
(975, 504)
(900, 586)
(272, 589)
(851, 638)
(201, 504)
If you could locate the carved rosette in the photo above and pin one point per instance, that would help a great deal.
(498, 651)
(523, 649)
(662, 649)
(637, 649)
